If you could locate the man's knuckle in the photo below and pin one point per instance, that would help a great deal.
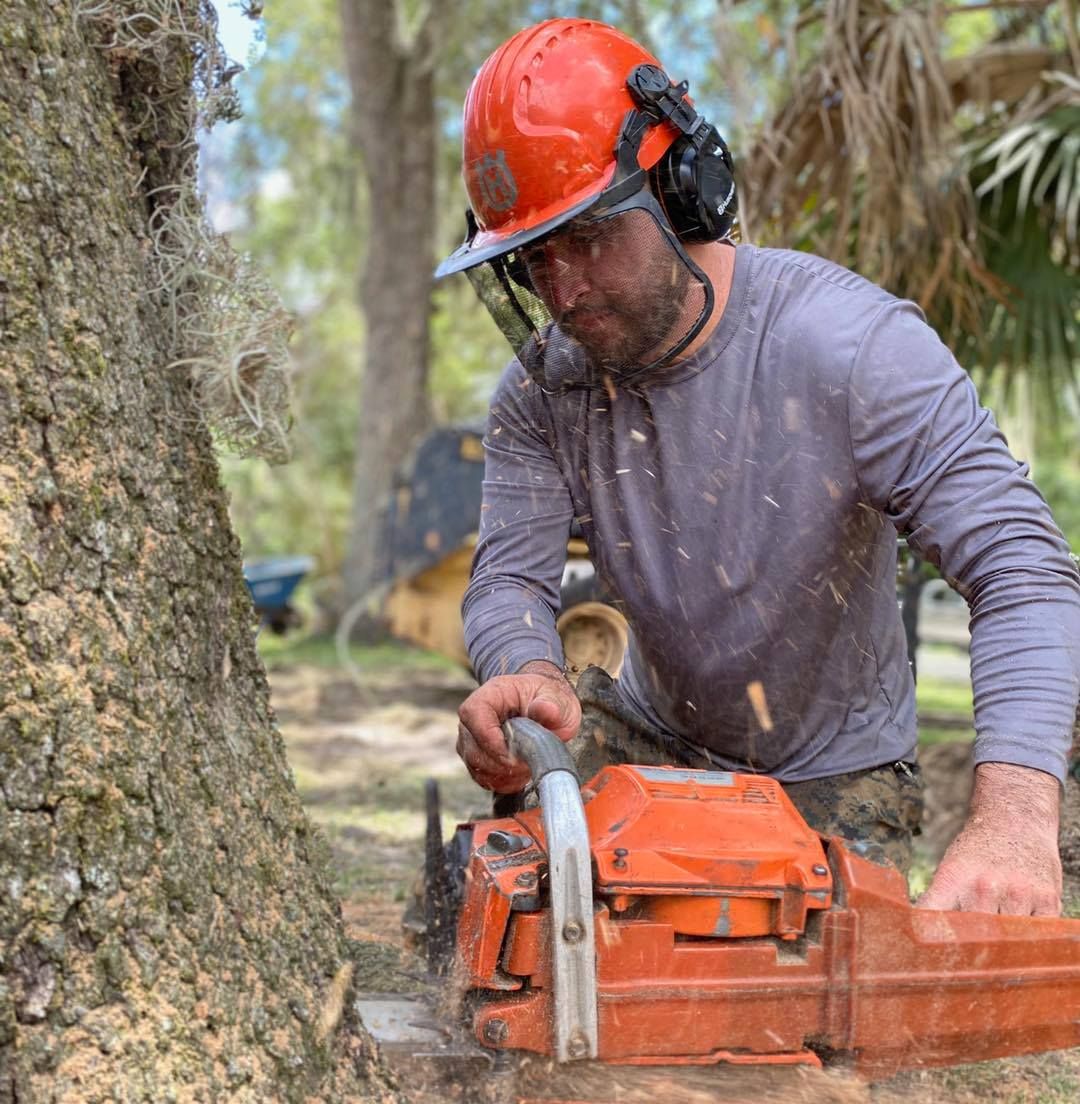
(1017, 900)
(986, 890)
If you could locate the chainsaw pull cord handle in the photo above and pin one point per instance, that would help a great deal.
(570, 884)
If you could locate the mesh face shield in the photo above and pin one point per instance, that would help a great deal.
(609, 298)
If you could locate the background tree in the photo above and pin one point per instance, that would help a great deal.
(303, 200)
(166, 927)
(390, 57)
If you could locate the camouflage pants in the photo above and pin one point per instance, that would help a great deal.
(879, 810)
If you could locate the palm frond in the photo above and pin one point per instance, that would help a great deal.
(867, 162)
(1035, 329)
(1038, 154)
(860, 165)
(1027, 182)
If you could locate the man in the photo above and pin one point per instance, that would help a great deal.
(740, 433)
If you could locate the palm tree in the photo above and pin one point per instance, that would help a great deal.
(951, 180)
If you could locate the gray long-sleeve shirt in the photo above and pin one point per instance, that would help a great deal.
(744, 514)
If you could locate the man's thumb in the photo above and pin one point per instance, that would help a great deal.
(551, 712)
(941, 894)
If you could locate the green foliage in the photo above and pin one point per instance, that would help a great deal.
(966, 33)
(304, 506)
(1027, 179)
(1058, 477)
(931, 734)
(294, 177)
(944, 696)
(948, 697)
(321, 651)
(468, 354)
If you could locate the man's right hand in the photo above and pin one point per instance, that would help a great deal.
(538, 691)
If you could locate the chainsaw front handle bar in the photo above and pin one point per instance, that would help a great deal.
(538, 747)
(570, 884)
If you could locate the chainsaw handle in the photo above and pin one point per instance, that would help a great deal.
(569, 853)
(537, 746)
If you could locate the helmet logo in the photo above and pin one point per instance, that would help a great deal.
(497, 184)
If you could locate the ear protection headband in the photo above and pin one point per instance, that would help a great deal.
(694, 180)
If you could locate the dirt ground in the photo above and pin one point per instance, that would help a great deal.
(361, 750)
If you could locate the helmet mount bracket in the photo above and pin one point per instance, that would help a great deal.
(662, 101)
(694, 179)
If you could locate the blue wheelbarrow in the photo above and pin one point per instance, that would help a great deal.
(272, 583)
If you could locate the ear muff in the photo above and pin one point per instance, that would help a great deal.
(696, 188)
(694, 179)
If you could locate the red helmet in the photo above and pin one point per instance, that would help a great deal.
(541, 123)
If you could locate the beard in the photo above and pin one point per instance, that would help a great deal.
(612, 302)
(624, 329)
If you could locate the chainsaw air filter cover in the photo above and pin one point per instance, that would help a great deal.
(704, 853)
(710, 852)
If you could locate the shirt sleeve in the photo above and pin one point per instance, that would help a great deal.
(932, 460)
(512, 599)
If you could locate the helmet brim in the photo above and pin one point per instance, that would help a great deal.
(487, 245)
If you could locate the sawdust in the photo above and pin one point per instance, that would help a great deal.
(333, 1003)
(544, 1081)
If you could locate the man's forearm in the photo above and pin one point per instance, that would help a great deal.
(511, 602)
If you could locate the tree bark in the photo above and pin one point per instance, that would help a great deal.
(391, 74)
(167, 927)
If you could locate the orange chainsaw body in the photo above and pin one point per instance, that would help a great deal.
(727, 930)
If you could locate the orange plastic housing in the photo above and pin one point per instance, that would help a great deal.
(726, 930)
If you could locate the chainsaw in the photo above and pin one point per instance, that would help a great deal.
(666, 916)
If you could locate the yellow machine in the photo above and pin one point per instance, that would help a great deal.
(431, 532)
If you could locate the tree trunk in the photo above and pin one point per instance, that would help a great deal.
(393, 122)
(167, 928)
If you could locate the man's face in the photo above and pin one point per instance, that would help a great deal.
(613, 285)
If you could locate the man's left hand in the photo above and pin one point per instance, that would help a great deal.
(1005, 858)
